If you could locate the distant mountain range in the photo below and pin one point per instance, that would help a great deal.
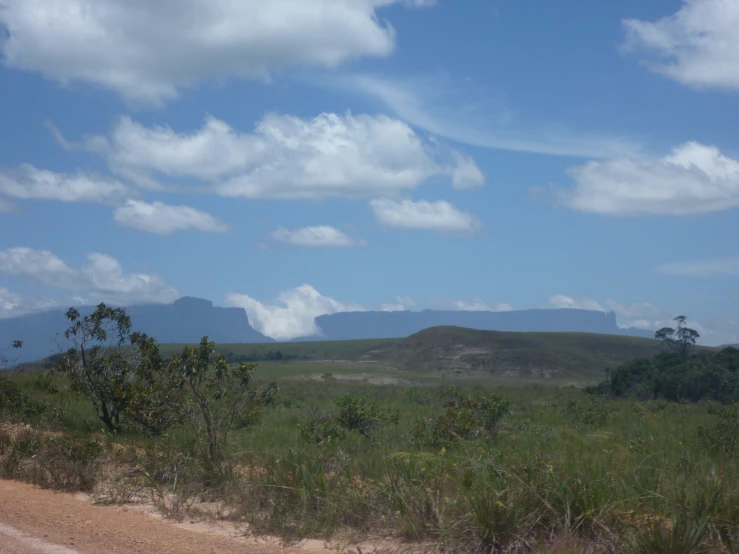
(185, 321)
(189, 319)
(366, 325)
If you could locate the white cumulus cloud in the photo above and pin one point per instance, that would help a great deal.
(165, 219)
(101, 279)
(465, 174)
(285, 156)
(29, 183)
(293, 313)
(697, 46)
(147, 50)
(316, 236)
(439, 216)
(693, 179)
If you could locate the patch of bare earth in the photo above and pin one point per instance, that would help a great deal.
(38, 520)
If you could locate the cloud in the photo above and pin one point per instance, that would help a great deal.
(478, 305)
(320, 235)
(635, 310)
(148, 51)
(697, 46)
(293, 313)
(28, 183)
(466, 175)
(101, 279)
(693, 179)
(13, 305)
(703, 268)
(438, 216)
(474, 117)
(165, 219)
(402, 304)
(474, 305)
(286, 157)
(562, 301)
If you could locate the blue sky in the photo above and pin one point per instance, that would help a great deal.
(298, 158)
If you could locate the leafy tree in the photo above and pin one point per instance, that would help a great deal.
(218, 397)
(672, 376)
(155, 401)
(681, 338)
(96, 365)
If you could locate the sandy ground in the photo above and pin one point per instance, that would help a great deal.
(33, 520)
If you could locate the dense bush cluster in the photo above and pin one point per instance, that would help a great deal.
(354, 414)
(466, 417)
(677, 377)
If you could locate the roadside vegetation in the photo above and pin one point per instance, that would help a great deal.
(643, 463)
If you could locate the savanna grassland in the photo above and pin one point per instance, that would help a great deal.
(455, 461)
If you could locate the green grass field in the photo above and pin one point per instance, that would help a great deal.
(563, 471)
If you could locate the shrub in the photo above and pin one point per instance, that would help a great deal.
(321, 429)
(586, 411)
(356, 414)
(721, 436)
(69, 463)
(466, 418)
(15, 405)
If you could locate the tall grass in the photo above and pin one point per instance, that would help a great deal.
(561, 468)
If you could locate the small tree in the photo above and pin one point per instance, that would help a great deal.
(681, 339)
(218, 397)
(96, 364)
(5, 361)
(155, 401)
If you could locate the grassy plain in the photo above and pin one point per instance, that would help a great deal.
(563, 471)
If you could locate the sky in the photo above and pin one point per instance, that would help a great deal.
(299, 158)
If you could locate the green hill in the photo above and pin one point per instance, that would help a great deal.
(526, 355)
(533, 355)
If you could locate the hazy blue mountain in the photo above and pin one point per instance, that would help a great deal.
(366, 325)
(187, 320)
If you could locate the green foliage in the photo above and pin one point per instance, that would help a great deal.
(218, 397)
(97, 365)
(321, 429)
(155, 396)
(723, 435)
(466, 418)
(357, 414)
(5, 361)
(16, 405)
(682, 536)
(587, 411)
(676, 377)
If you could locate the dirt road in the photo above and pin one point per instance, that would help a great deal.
(36, 521)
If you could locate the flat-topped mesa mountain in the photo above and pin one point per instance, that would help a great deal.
(516, 355)
(366, 325)
(185, 321)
